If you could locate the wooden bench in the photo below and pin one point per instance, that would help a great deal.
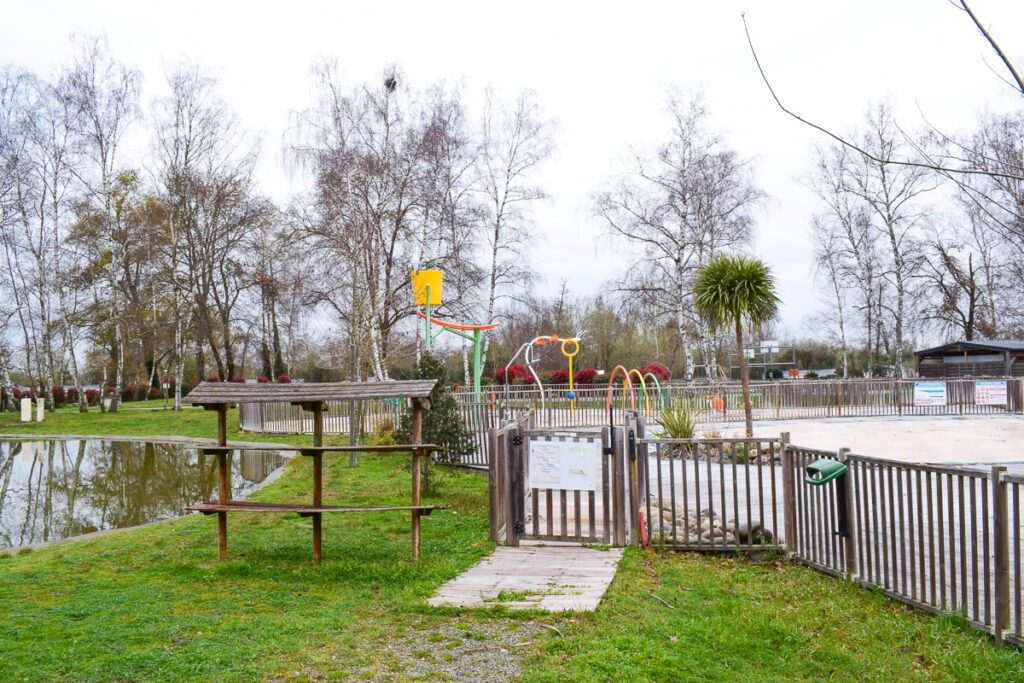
(313, 398)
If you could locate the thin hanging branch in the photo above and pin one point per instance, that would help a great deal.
(883, 160)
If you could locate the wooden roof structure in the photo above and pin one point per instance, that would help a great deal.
(221, 393)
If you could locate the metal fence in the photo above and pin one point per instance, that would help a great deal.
(723, 402)
(941, 538)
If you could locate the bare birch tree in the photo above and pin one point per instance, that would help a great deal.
(681, 203)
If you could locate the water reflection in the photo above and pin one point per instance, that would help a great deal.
(61, 488)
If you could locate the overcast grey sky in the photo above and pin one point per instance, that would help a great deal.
(600, 69)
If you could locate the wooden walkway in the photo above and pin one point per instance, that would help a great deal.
(554, 578)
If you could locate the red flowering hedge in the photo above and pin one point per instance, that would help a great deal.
(129, 393)
(284, 379)
(656, 369)
(59, 395)
(238, 379)
(72, 395)
(155, 393)
(213, 378)
(560, 377)
(263, 379)
(585, 376)
(516, 373)
(92, 396)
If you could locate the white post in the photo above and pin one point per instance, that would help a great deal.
(26, 410)
(40, 409)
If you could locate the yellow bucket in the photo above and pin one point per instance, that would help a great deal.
(420, 280)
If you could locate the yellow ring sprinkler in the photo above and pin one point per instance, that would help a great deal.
(643, 388)
(570, 355)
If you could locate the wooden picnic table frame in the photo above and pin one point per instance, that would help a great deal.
(217, 399)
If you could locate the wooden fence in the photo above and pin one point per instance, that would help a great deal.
(941, 538)
(713, 494)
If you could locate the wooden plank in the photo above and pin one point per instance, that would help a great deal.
(1001, 622)
(318, 480)
(391, 448)
(223, 480)
(217, 393)
(244, 506)
(416, 435)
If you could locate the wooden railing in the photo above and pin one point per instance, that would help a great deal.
(713, 494)
(941, 538)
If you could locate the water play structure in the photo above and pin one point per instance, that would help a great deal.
(426, 291)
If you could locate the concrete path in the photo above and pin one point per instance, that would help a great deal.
(555, 578)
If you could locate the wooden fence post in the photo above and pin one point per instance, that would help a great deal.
(493, 497)
(1001, 531)
(849, 544)
(788, 494)
(515, 525)
(633, 464)
(618, 488)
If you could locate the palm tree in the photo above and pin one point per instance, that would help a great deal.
(733, 290)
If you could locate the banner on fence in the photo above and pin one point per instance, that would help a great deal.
(929, 393)
(990, 393)
(565, 465)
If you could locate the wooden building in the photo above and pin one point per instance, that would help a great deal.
(995, 358)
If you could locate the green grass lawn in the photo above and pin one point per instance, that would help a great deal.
(154, 604)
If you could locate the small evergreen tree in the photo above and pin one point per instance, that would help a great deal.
(442, 424)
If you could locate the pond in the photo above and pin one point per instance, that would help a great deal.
(58, 488)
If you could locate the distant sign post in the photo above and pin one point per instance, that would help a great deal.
(929, 393)
(990, 393)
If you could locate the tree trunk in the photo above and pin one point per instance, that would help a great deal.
(748, 414)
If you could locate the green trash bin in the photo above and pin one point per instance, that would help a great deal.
(821, 472)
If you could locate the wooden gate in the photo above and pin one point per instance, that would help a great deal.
(560, 486)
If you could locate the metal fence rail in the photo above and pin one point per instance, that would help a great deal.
(723, 402)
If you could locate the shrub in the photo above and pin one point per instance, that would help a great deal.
(71, 395)
(17, 393)
(129, 393)
(811, 375)
(238, 379)
(679, 420)
(658, 370)
(442, 424)
(284, 379)
(155, 393)
(92, 396)
(516, 373)
(263, 379)
(213, 378)
(528, 378)
(585, 376)
(59, 396)
(560, 377)
(384, 432)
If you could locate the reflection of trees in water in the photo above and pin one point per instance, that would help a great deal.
(73, 487)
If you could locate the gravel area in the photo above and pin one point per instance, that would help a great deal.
(455, 650)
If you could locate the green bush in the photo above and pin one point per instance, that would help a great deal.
(442, 424)
(678, 420)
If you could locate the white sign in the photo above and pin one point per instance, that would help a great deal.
(929, 393)
(570, 465)
(990, 393)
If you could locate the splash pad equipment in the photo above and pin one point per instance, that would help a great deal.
(527, 352)
(426, 291)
